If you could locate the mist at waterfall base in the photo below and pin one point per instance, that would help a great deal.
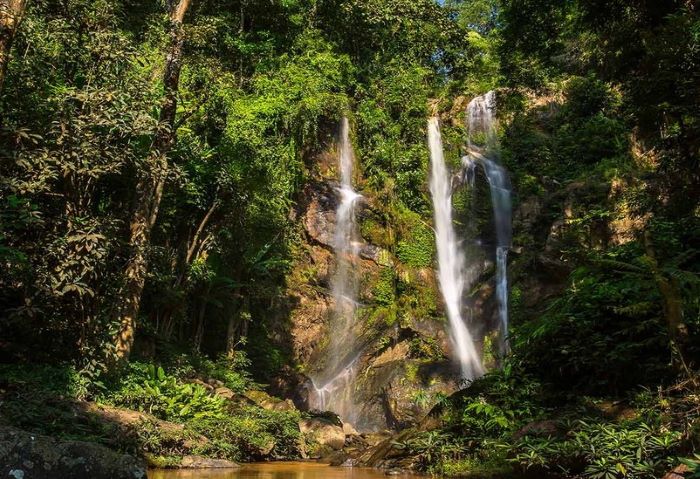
(333, 386)
(457, 272)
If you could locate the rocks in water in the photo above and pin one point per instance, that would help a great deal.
(338, 458)
(389, 454)
(199, 462)
(323, 432)
(30, 456)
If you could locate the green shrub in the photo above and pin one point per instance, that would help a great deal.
(598, 450)
(149, 389)
(232, 369)
(693, 465)
(251, 433)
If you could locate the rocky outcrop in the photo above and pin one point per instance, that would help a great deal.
(266, 401)
(400, 379)
(318, 212)
(30, 456)
(323, 432)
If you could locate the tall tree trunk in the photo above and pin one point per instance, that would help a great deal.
(149, 187)
(11, 13)
(201, 319)
(673, 303)
(233, 325)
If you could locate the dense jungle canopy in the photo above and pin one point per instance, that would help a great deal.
(161, 164)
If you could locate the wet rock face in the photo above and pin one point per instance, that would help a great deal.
(384, 397)
(319, 212)
(29, 456)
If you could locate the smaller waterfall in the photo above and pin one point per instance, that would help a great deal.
(337, 394)
(451, 263)
(333, 387)
(483, 150)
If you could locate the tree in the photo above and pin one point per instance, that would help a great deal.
(11, 13)
(149, 188)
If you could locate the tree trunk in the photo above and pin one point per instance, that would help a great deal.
(11, 13)
(232, 329)
(149, 187)
(672, 301)
(201, 318)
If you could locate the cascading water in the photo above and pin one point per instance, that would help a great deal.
(483, 150)
(451, 264)
(333, 387)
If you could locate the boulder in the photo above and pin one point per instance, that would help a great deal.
(265, 401)
(349, 430)
(199, 462)
(323, 432)
(225, 393)
(24, 455)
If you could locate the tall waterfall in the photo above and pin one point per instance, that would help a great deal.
(483, 150)
(333, 387)
(451, 263)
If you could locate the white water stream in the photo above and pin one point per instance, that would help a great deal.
(483, 150)
(334, 385)
(451, 262)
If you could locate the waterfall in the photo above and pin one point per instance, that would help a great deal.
(483, 150)
(333, 387)
(451, 263)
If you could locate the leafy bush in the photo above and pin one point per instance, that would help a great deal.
(149, 389)
(693, 465)
(45, 379)
(232, 370)
(236, 432)
(251, 433)
(601, 451)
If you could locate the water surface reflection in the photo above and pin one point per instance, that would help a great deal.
(277, 470)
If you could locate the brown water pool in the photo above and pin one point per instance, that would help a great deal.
(277, 470)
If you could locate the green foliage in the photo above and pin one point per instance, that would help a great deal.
(233, 369)
(601, 451)
(693, 465)
(384, 291)
(417, 248)
(431, 447)
(251, 433)
(59, 380)
(148, 388)
(415, 245)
